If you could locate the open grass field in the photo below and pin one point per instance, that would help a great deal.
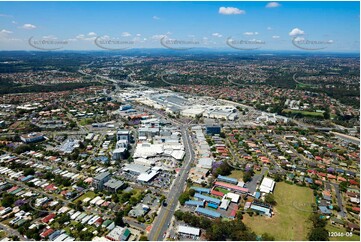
(238, 174)
(333, 228)
(292, 212)
(85, 195)
(304, 113)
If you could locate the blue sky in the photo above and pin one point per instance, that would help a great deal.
(209, 24)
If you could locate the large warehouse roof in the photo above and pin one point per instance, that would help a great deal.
(189, 230)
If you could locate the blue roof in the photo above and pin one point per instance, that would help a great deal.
(201, 189)
(194, 203)
(260, 209)
(324, 210)
(207, 198)
(212, 205)
(227, 179)
(27, 178)
(309, 180)
(340, 170)
(257, 195)
(208, 212)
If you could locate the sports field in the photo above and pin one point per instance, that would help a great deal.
(292, 212)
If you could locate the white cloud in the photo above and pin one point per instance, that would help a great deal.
(80, 36)
(138, 35)
(5, 15)
(158, 36)
(250, 33)
(4, 31)
(50, 37)
(126, 34)
(330, 41)
(275, 37)
(230, 10)
(298, 38)
(273, 5)
(28, 26)
(155, 18)
(217, 35)
(296, 31)
(269, 28)
(4, 34)
(92, 34)
(14, 22)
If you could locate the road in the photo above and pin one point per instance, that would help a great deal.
(162, 221)
(12, 232)
(339, 200)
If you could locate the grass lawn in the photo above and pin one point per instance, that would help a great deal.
(225, 191)
(305, 113)
(2, 234)
(238, 174)
(89, 194)
(292, 212)
(333, 228)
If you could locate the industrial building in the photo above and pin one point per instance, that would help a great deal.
(186, 230)
(32, 137)
(113, 185)
(100, 179)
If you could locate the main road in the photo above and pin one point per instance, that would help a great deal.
(162, 221)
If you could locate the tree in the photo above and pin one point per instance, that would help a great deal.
(29, 171)
(247, 176)
(318, 234)
(191, 192)
(143, 238)
(269, 198)
(267, 237)
(8, 200)
(119, 219)
(184, 197)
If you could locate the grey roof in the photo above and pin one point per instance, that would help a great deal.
(102, 175)
(114, 184)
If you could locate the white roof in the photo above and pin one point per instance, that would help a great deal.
(224, 204)
(234, 197)
(267, 185)
(145, 150)
(205, 163)
(189, 230)
(178, 154)
(145, 177)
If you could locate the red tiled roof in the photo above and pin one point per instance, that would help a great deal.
(217, 193)
(48, 218)
(46, 233)
(230, 186)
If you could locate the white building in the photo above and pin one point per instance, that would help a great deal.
(267, 185)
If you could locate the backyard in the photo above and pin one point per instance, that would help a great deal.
(292, 212)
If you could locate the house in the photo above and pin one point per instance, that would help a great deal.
(48, 218)
(46, 233)
(118, 234)
(139, 210)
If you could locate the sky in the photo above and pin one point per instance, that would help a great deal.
(326, 26)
